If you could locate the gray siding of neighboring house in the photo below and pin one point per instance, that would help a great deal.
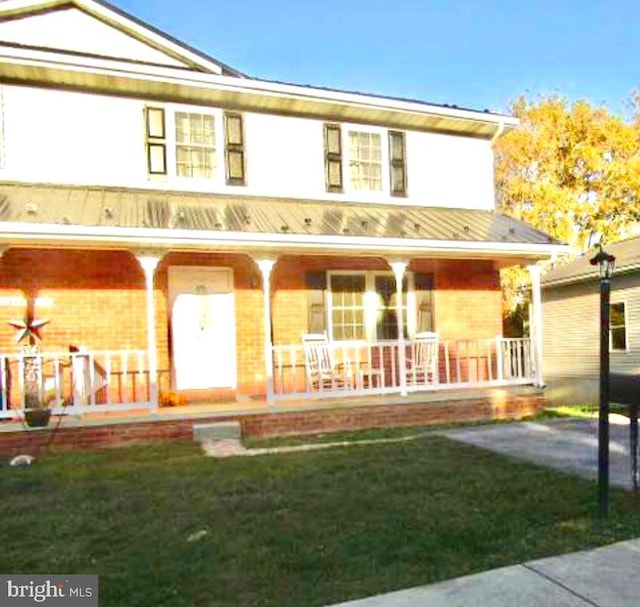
(571, 342)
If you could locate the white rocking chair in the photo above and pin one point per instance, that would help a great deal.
(422, 364)
(323, 375)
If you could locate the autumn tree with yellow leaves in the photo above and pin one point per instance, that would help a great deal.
(569, 170)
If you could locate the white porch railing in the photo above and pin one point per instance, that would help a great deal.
(75, 382)
(373, 368)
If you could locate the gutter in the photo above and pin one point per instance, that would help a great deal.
(13, 233)
(593, 275)
(43, 60)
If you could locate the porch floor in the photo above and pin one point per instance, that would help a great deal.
(236, 410)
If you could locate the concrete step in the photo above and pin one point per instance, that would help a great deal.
(216, 431)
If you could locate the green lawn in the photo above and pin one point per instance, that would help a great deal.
(297, 530)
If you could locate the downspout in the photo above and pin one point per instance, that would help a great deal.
(498, 133)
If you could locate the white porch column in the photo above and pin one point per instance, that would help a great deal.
(149, 262)
(265, 265)
(399, 268)
(536, 316)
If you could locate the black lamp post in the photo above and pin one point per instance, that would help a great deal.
(606, 265)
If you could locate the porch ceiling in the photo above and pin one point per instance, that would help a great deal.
(45, 214)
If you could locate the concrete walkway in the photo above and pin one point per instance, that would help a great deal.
(605, 577)
(568, 444)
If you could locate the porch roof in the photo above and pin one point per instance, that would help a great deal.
(49, 213)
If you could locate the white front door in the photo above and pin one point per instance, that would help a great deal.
(203, 327)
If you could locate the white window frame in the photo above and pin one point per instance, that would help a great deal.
(384, 159)
(626, 326)
(172, 160)
(371, 304)
(170, 111)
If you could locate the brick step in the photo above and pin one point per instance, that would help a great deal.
(213, 431)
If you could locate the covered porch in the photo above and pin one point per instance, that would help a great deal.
(218, 306)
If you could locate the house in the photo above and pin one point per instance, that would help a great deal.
(182, 225)
(571, 321)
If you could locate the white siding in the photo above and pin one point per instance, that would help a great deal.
(450, 171)
(73, 30)
(80, 138)
(571, 336)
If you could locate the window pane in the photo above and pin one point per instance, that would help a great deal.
(618, 339)
(617, 314)
(347, 313)
(365, 161)
(195, 145)
(617, 325)
(386, 314)
(195, 162)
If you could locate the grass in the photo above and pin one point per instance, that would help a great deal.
(583, 411)
(163, 525)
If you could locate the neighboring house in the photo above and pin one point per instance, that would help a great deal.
(571, 324)
(182, 225)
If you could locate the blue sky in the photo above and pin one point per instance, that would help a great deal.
(478, 53)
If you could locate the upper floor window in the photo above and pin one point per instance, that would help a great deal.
(365, 161)
(370, 163)
(195, 145)
(618, 327)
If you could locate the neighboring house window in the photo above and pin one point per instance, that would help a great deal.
(369, 161)
(618, 327)
(362, 305)
(199, 145)
(365, 161)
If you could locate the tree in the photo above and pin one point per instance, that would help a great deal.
(569, 170)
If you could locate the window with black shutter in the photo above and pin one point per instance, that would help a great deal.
(156, 141)
(333, 157)
(397, 163)
(234, 149)
(423, 285)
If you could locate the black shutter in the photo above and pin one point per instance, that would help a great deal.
(234, 149)
(398, 163)
(156, 141)
(316, 287)
(424, 302)
(333, 157)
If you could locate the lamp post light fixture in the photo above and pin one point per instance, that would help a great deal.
(606, 265)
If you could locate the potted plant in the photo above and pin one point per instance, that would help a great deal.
(36, 410)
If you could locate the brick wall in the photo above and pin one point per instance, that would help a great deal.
(99, 301)
(467, 297)
(499, 405)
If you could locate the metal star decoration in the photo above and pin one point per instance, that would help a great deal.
(29, 328)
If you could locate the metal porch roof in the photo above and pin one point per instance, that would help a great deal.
(93, 206)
